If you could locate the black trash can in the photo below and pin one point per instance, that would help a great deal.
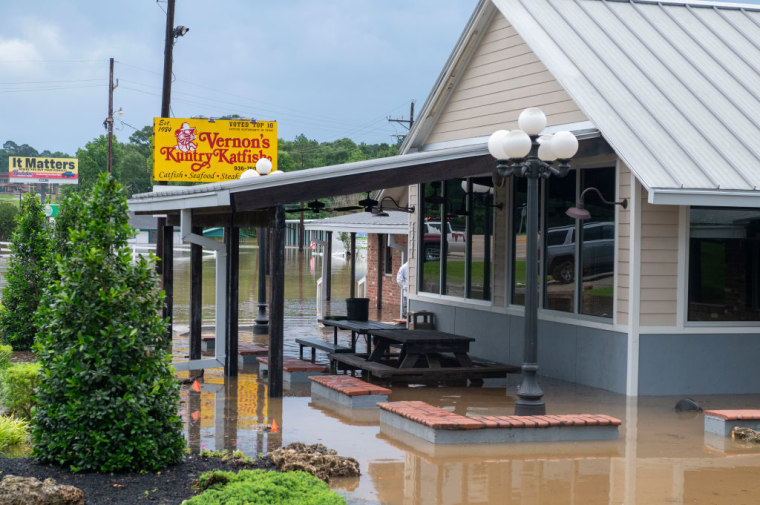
(357, 309)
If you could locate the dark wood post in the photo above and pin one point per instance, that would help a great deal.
(196, 295)
(167, 276)
(380, 268)
(276, 304)
(232, 241)
(328, 258)
(352, 289)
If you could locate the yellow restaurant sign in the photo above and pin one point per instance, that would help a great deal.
(49, 170)
(202, 150)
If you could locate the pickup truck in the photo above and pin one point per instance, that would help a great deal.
(432, 240)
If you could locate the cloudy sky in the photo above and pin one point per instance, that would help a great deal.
(327, 69)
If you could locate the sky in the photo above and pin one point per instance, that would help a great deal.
(327, 69)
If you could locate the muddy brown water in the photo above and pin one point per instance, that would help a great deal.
(661, 456)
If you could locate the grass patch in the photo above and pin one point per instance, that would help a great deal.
(14, 432)
(254, 487)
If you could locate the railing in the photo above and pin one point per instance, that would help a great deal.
(361, 287)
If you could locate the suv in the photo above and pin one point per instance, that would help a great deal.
(432, 240)
(598, 250)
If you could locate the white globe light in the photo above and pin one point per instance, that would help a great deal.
(564, 145)
(276, 172)
(264, 166)
(496, 144)
(532, 121)
(517, 144)
(248, 174)
(545, 151)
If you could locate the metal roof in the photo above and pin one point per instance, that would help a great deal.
(395, 223)
(672, 86)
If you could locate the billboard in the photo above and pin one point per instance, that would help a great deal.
(205, 150)
(48, 170)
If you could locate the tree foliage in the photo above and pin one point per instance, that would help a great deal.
(8, 213)
(27, 274)
(107, 399)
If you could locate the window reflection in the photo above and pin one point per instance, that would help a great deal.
(559, 247)
(598, 251)
(455, 261)
(724, 264)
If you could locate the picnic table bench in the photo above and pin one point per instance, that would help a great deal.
(315, 344)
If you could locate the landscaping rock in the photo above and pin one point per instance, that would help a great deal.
(30, 491)
(316, 459)
(746, 434)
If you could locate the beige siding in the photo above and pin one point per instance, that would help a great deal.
(623, 230)
(659, 263)
(502, 78)
(413, 240)
(499, 250)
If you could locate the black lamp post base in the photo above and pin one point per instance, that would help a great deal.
(530, 396)
(261, 326)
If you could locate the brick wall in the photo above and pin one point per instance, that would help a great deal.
(391, 290)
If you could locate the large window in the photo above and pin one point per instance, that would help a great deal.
(560, 256)
(456, 252)
(724, 264)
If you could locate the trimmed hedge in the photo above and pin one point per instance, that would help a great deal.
(254, 487)
(17, 384)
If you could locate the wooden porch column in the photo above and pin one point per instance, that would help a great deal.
(196, 295)
(167, 275)
(328, 258)
(352, 289)
(232, 242)
(380, 268)
(277, 303)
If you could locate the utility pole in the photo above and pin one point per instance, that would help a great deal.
(406, 122)
(109, 119)
(166, 92)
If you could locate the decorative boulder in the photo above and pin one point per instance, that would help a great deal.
(316, 459)
(16, 490)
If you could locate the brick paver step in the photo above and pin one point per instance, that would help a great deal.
(349, 386)
(294, 364)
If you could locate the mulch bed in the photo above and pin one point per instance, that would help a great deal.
(170, 486)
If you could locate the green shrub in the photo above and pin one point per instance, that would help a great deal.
(13, 431)
(6, 352)
(27, 274)
(253, 487)
(107, 399)
(8, 213)
(17, 383)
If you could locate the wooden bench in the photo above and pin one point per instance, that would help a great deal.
(348, 391)
(722, 422)
(322, 345)
(294, 371)
(440, 426)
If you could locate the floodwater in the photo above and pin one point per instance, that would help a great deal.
(661, 457)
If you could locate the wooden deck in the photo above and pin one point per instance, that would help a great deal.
(385, 369)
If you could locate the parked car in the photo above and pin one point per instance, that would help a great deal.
(598, 250)
(432, 240)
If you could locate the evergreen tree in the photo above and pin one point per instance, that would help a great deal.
(27, 274)
(107, 398)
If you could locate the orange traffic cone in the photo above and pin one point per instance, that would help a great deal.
(195, 415)
(274, 428)
(196, 386)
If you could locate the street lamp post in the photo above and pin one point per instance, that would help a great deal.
(524, 153)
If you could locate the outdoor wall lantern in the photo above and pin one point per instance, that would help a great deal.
(526, 154)
(578, 212)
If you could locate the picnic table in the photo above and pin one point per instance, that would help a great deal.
(359, 328)
(421, 347)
